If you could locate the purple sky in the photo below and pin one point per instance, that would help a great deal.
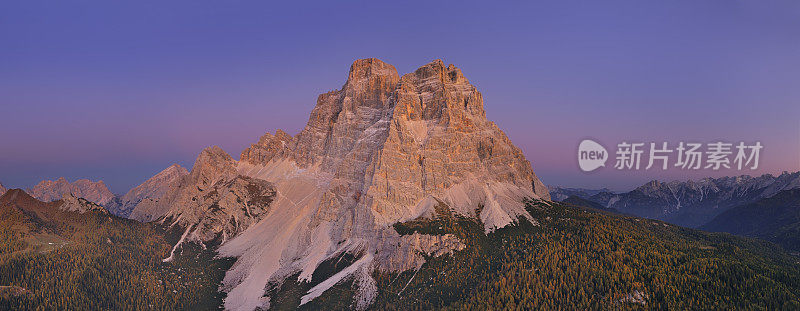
(103, 90)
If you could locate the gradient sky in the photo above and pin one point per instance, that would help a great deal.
(117, 90)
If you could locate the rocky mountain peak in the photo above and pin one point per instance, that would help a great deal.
(369, 84)
(2, 189)
(70, 203)
(341, 117)
(213, 154)
(650, 186)
(370, 69)
(267, 147)
(173, 169)
(94, 191)
(441, 93)
(437, 70)
(211, 165)
(382, 149)
(17, 195)
(152, 189)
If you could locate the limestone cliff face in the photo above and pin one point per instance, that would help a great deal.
(268, 147)
(97, 192)
(381, 150)
(340, 118)
(439, 137)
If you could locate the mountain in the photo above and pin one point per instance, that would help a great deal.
(213, 203)
(152, 189)
(19, 200)
(775, 219)
(73, 255)
(2, 189)
(97, 192)
(72, 203)
(558, 193)
(693, 203)
(397, 194)
(381, 150)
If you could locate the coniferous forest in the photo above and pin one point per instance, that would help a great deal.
(569, 257)
(577, 258)
(57, 260)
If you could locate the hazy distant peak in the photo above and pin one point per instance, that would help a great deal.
(94, 191)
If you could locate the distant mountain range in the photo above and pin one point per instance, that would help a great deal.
(562, 193)
(31, 207)
(687, 203)
(94, 191)
(97, 192)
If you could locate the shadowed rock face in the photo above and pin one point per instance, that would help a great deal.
(383, 149)
(152, 189)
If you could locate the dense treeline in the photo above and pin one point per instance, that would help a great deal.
(567, 258)
(574, 258)
(96, 261)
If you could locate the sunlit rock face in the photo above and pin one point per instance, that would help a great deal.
(94, 191)
(213, 202)
(381, 150)
(267, 147)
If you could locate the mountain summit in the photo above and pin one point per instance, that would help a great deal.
(381, 150)
(94, 191)
(152, 189)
